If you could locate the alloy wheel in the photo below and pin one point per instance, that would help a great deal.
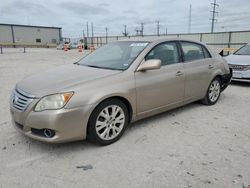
(110, 122)
(214, 91)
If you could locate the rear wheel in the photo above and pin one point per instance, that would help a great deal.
(213, 92)
(108, 122)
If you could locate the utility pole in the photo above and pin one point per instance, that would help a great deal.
(125, 33)
(87, 40)
(92, 35)
(106, 31)
(166, 30)
(215, 5)
(158, 28)
(137, 30)
(87, 29)
(83, 38)
(142, 29)
(190, 19)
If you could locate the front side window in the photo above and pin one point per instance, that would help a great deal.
(115, 56)
(166, 52)
(193, 51)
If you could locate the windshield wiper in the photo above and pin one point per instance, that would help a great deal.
(94, 66)
(99, 67)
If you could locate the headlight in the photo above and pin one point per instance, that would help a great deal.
(53, 102)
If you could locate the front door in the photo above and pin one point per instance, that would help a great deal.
(164, 86)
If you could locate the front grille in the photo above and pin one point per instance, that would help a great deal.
(240, 67)
(21, 100)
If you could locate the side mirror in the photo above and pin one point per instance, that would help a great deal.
(151, 64)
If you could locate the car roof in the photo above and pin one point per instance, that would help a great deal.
(157, 40)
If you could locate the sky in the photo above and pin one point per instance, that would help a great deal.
(173, 15)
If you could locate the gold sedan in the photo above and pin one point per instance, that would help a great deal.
(121, 82)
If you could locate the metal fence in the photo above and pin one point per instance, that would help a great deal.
(217, 41)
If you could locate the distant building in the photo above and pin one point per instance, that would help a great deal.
(28, 34)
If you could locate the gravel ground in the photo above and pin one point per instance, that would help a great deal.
(192, 146)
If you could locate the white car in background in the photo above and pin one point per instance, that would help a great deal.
(240, 63)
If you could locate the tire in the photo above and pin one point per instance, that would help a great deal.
(213, 92)
(108, 122)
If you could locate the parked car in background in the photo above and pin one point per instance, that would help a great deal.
(119, 83)
(74, 45)
(59, 46)
(80, 45)
(240, 64)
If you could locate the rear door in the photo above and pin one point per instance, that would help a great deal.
(164, 86)
(198, 67)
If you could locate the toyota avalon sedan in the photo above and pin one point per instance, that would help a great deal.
(240, 63)
(119, 83)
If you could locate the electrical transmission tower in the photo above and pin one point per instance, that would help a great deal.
(190, 19)
(125, 33)
(142, 29)
(92, 33)
(137, 30)
(106, 33)
(158, 28)
(215, 6)
(87, 29)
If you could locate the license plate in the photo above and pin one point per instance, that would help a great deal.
(237, 75)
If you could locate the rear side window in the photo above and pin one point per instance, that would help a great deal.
(193, 51)
(166, 52)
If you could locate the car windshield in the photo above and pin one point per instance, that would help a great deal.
(115, 56)
(245, 50)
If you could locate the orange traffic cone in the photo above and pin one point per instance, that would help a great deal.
(65, 47)
(92, 48)
(80, 48)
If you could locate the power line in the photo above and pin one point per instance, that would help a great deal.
(215, 5)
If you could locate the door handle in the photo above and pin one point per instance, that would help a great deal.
(179, 73)
(210, 66)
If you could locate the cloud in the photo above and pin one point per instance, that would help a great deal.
(72, 15)
(81, 8)
(19, 7)
(129, 12)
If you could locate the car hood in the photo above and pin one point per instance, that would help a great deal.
(62, 78)
(238, 59)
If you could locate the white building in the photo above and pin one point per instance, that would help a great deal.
(28, 34)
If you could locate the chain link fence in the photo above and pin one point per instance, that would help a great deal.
(217, 41)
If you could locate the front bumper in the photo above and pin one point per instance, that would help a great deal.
(242, 76)
(68, 124)
(226, 79)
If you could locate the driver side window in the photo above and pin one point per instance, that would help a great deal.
(166, 52)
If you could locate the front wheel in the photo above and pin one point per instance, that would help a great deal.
(213, 92)
(108, 122)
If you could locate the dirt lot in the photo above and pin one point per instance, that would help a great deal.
(193, 146)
